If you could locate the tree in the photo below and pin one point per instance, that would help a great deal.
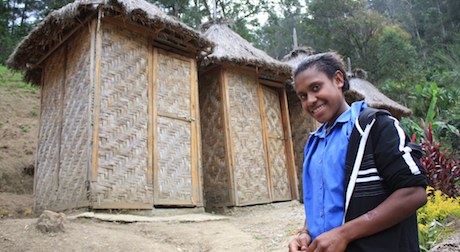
(276, 36)
(241, 14)
(17, 17)
(347, 27)
(396, 57)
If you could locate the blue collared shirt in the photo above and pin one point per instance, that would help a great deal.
(324, 172)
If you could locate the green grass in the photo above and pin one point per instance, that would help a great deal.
(9, 78)
(24, 128)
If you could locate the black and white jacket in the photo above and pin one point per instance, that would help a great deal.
(380, 160)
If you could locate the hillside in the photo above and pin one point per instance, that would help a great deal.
(19, 116)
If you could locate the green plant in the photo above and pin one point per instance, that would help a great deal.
(434, 218)
(24, 128)
(15, 79)
(433, 101)
(442, 168)
(34, 112)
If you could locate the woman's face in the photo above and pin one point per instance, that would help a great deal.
(320, 96)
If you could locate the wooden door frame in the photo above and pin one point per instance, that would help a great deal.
(288, 145)
(195, 144)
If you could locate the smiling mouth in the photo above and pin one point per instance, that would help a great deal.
(317, 109)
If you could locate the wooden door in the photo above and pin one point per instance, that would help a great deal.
(175, 146)
(275, 144)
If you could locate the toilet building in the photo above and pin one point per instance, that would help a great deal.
(119, 121)
(246, 135)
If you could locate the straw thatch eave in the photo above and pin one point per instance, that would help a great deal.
(233, 49)
(58, 23)
(374, 98)
(294, 57)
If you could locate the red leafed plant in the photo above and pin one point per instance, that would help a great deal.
(442, 168)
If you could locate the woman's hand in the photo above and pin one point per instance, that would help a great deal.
(331, 241)
(300, 243)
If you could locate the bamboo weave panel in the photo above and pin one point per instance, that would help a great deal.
(276, 147)
(174, 90)
(175, 171)
(122, 170)
(250, 173)
(273, 113)
(46, 174)
(215, 170)
(75, 136)
(174, 168)
(278, 170)
(301, 126)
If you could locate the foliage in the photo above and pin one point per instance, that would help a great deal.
(14, 79)
(25, 128)
(437, 104)
(277, 35)
(194, 13)
(396, 57)
(348, 27)
(434, 216)
(443, 170)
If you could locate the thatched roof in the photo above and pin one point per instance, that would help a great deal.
(232, 48)
(360, 89)
(54, 27)
(294, 57)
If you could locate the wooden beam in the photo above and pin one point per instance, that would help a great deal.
(260, 92)
(168, 48)
(292, 175)
(155, 162)
(131, 26)
(195, 143)
(241, 69)
(150, 129)
(173, 41)
(176, 116)
(229, 149)
(63, 40)
(174, 54)
(271, 83)
(97, 97)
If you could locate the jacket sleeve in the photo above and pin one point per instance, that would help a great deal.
(397, 162)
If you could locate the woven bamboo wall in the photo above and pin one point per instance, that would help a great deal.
(75, 150)
(246, 127)
(46, 174)
(123, 118)
(302, 125)
(173, 133)
(276, 146)
(215, 170)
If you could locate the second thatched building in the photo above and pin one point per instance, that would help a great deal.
(247, 147)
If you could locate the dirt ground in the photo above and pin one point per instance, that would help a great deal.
(19, 115)
(254, 228)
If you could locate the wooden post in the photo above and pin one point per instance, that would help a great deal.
(97, 97)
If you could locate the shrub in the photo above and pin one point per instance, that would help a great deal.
(434, 218)
(442, 168)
